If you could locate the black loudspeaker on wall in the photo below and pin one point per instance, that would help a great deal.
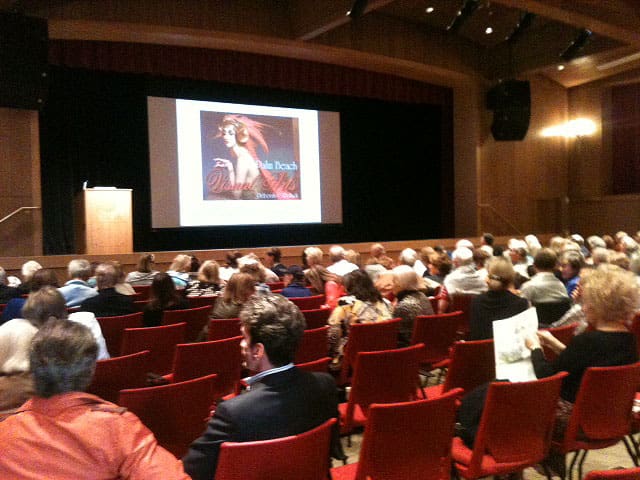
(23, 61)
(511, 104)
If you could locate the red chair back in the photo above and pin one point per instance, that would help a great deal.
(515, 428)
(308, 303)
(565, 334)
(594, 422)
(396, 445)
(113, 328)
(367, 337)
(472, 364)
(275, 285)
(193, 360)
(140, 305)
(304, 456)
(221, 328)
(386, 376)
(635, 329)
(202, 301)
(462, 302)
(615, 474)
(118, 373)
(313, 345)
(438, 333)
(176, 413)
(160, 341)
(316, 317)
(195, 318)
(320, 365)
(143, 291)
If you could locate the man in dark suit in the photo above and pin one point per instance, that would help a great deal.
(108, 302)
(281, 399)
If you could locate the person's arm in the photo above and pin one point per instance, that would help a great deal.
(141, 457)
(541, 366)
(201, 460)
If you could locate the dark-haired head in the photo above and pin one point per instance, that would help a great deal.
(276, 323)
(359, 284)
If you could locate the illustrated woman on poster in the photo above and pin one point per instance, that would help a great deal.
(245, 177)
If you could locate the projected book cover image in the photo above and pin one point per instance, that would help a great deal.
(249, 157)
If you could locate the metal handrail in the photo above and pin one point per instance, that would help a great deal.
(502, 217)
(16, 211)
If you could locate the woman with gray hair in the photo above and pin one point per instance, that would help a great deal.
(411, 301)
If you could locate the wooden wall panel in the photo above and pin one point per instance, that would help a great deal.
(514, 177)
(20, 182)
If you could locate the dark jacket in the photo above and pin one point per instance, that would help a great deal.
(108, 303)
(278, 405)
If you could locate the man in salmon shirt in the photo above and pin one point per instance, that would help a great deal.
(66, 434)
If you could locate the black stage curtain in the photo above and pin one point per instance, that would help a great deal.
(396, 140)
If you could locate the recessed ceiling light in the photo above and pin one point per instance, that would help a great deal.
(488, 30)
(560, 67)
(429, 9)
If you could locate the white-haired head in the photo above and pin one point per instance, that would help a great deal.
(336, 253)
(462, 256)
(28, 269)
(464, 243)
(408, 256)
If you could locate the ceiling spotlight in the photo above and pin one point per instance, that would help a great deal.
(358, 8)
(573, 50)
(468, 7)
(560, 67)
(488, 30)
(429, 9)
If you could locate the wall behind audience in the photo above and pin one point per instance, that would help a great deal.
(534, 185)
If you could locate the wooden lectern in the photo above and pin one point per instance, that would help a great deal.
(104, 221)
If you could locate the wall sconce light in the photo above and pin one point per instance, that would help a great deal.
(580, 127)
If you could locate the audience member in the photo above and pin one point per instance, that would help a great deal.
(620, 259)
(231, 266)
(179, 270)
(282, 399)
(6, 292)
(320, 279)
(497, 303)
(409, 257)
(16, 382)
(252, 267)
(41, 278)
(162, 296)
(378, 256)
(238, 290)
(439, 267)
(272, 260)
(207, 282)
(294, 283)
(544, 286)
(108, 302)
(600, 255)
(570, 264)
(29, 268)
(411, 301)
(533, 244)
(364, 304)
(144, 273)
(339, 265)
(610, 299)
(77, 290)
(464, 278)
(65, 433)
(350, 255)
